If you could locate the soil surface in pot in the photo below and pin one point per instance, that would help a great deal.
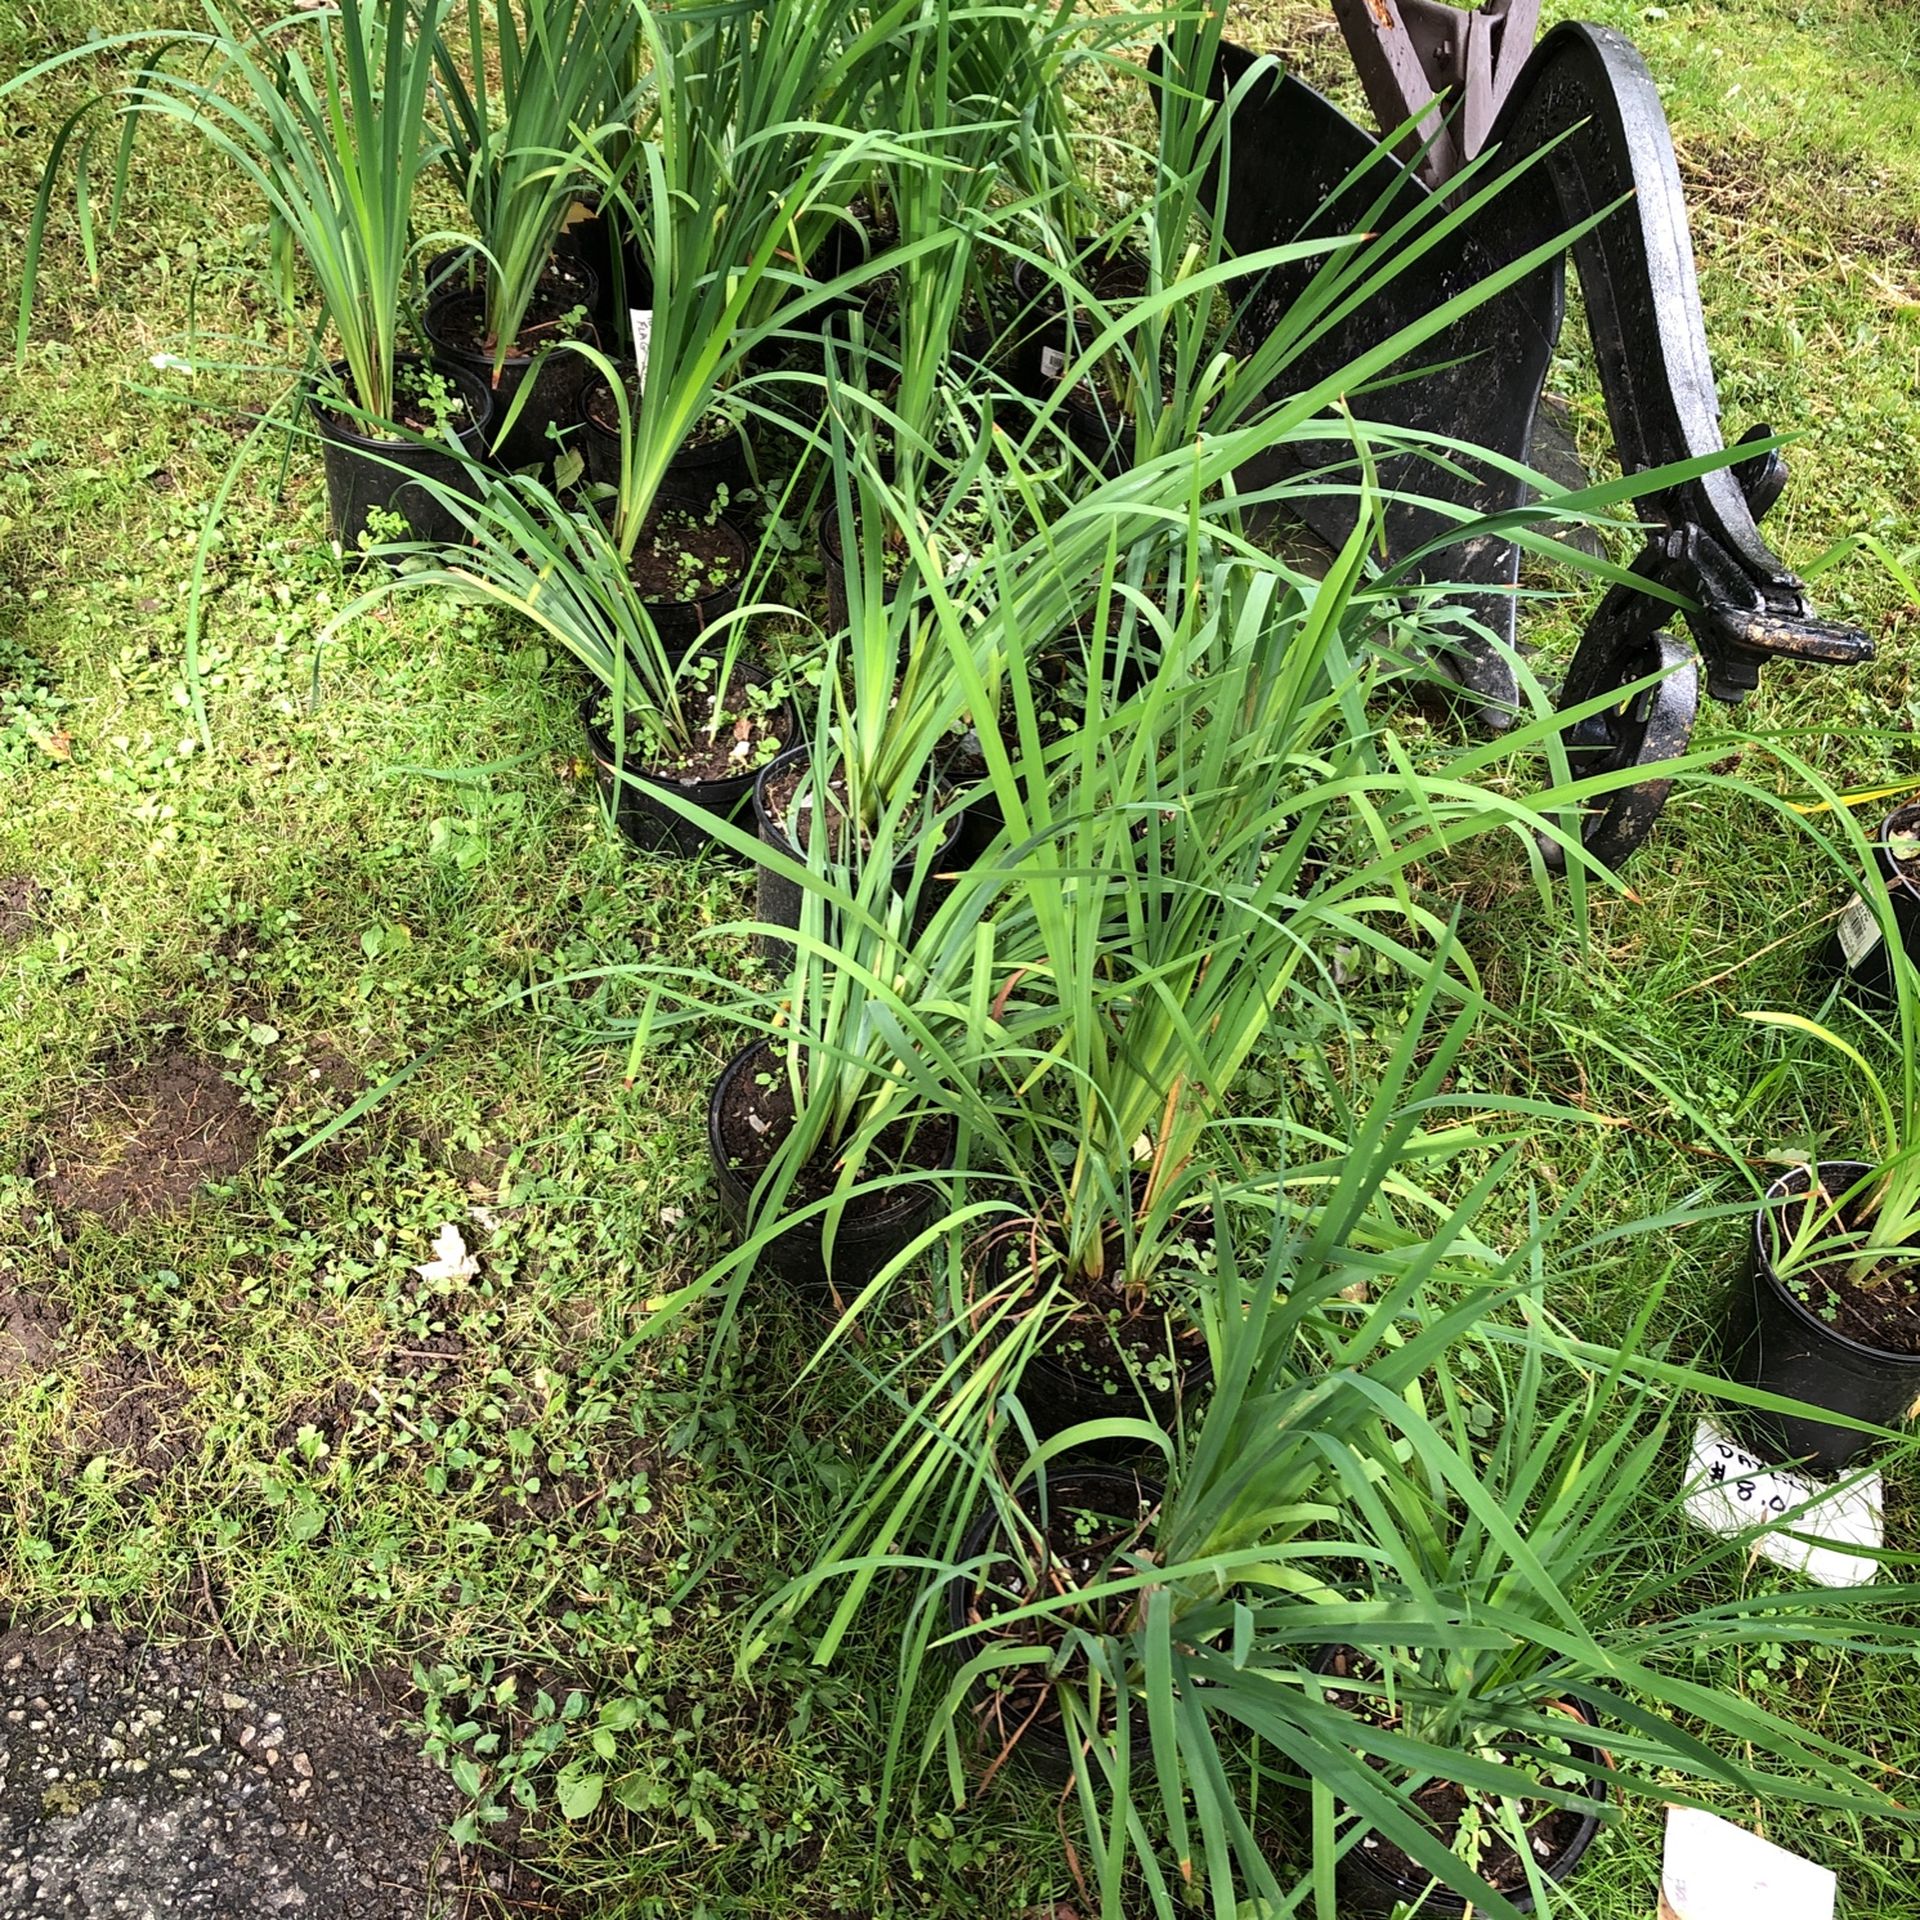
(1880, 1310)
(557, 311)
(1443, 1804)
(423, 399)
(1078, 1546)
(791, 808)
(1059, 706)
(745, 739)
(1903, 832)
(676, 562)
(755, 1118)
(893, 549)
(1117, 1333)
(709, 430)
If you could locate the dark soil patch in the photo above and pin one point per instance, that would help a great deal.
(133, 1414)
(149, 1138)
(30, 1329)
(182, 1783)
(684, 563)
(1119, 1345)
(460, 315)
(426, 1363)
(749, 733)
(332, 1415)
(1881, 1309)
(754, 1119)
(20, 898)
(1443, 1803)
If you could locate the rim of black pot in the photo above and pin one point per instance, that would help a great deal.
(904, 1199)
(600, 742)
(343, 428)
(438, 277)
(1195, 1376)
(979, 1534)
(1558, 1868)
(714, 452)
(1890, 868)
(1024, 274)
(1763, 1256)
(763, 814)
(594, 387)
(515, 361)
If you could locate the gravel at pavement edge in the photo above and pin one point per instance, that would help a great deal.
(173, 1783)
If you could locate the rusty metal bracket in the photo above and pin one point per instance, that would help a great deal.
(1447, 69)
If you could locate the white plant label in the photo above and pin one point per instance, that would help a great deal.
(642, 318)
(1053, 363)
(1859, 931)
(1714, 1870)
(1729, 1490)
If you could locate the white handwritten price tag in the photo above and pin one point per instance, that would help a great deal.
(1714, 1870)
(1808, 1528)
(642, 318)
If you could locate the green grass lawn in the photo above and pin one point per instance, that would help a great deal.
(259, 1420)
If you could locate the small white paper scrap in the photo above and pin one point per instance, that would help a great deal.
(642, 318)
(1729, 1490)
(1714, 1870)
(451, 1260)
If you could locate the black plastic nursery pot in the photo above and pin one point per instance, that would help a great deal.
(650, 821)
(453, 325)
(873, 1228)
(1371, 1884)
(619, 269)
(697, 471)
(1079, 1372)
(833, 561)
(1111, 1493)
(1856, 950)
(1776, 1341)
(680, 614)
(371, 473)
(965, 766)
(1047, 345)
(778, 900)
